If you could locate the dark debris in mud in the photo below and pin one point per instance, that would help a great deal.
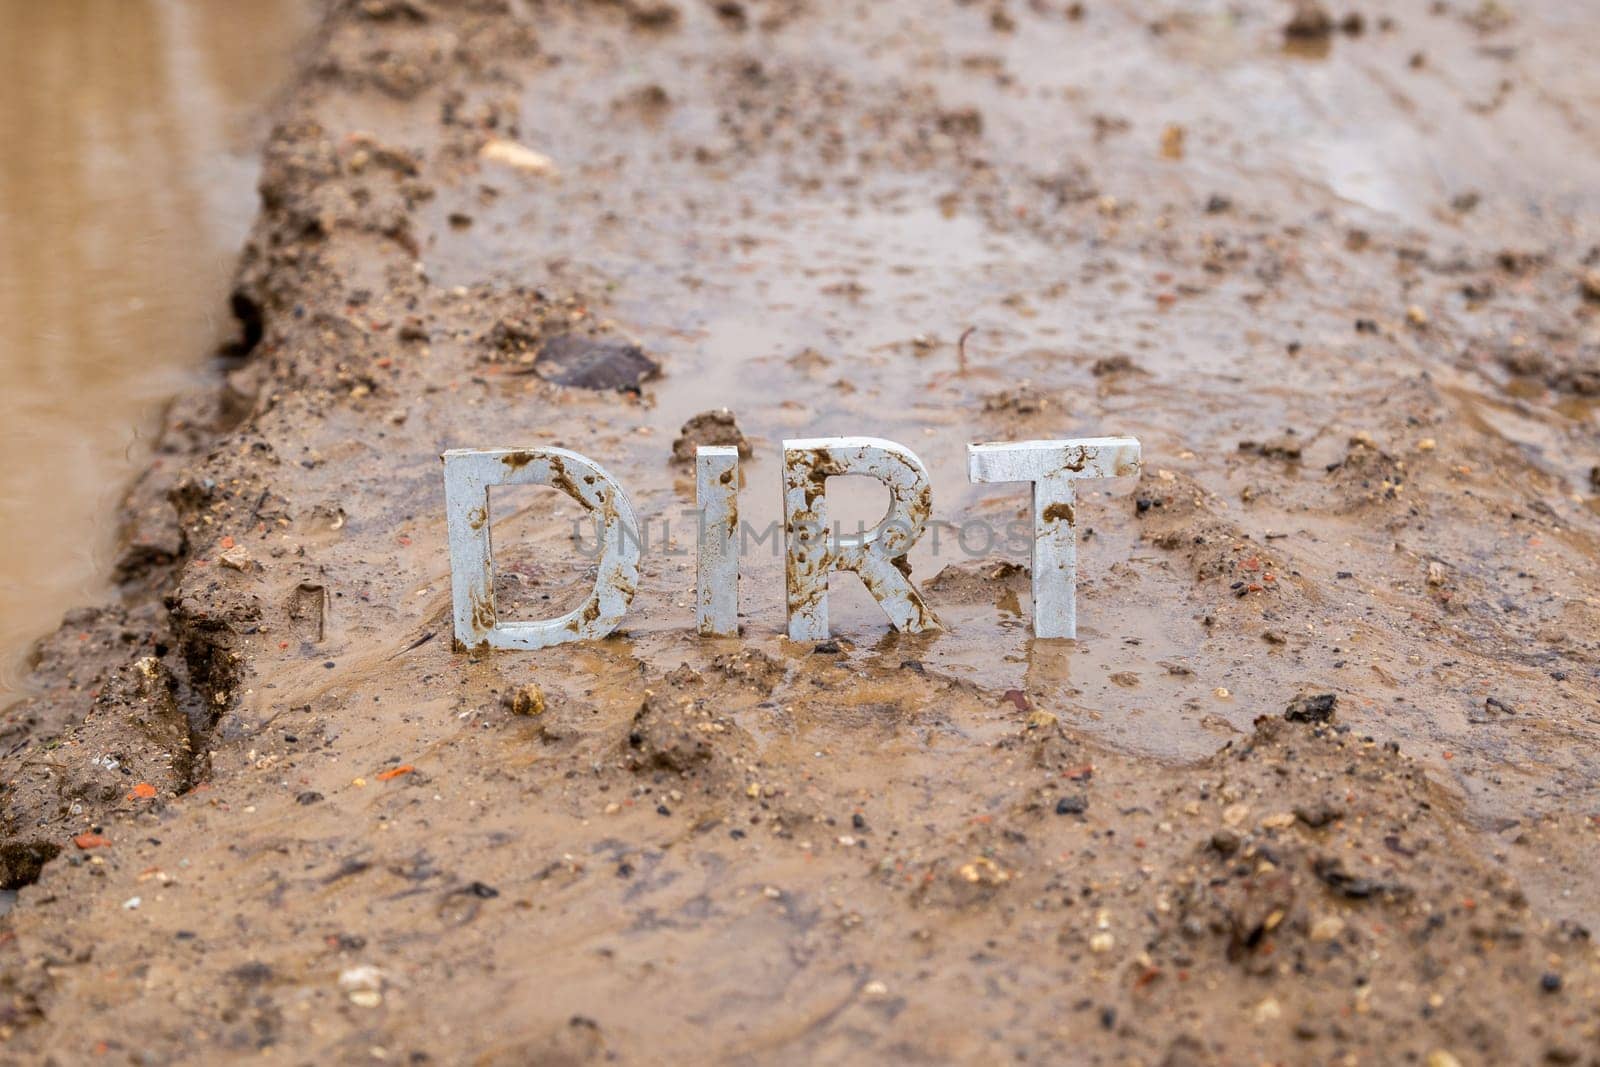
(594, 363)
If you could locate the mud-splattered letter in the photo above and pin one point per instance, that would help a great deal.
(468, 474)
(812, 555)
(1052, 467)
(716, 492)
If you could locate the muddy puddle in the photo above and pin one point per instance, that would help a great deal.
(131, 133)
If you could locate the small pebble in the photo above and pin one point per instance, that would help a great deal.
(362, 985)
(236, 558)
(526, 700)
(1591, 284)
(518, 157)
(1327, 928)
(1072, 805)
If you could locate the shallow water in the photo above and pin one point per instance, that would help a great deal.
(130, 132)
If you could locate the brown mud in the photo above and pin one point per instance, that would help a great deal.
(1316, 784)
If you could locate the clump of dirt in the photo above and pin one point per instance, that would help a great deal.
(1310, 20)
(1285, 446)
(714, 428)
(675, 731)
(1021, 400)
(1319, 707)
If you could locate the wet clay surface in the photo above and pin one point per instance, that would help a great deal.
(1315, 784)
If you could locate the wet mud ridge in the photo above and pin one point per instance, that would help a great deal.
(1317, 783)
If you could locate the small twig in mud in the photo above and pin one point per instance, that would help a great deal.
(418, 643)
(961, 349)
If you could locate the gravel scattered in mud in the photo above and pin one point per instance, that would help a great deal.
(1317, 783)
